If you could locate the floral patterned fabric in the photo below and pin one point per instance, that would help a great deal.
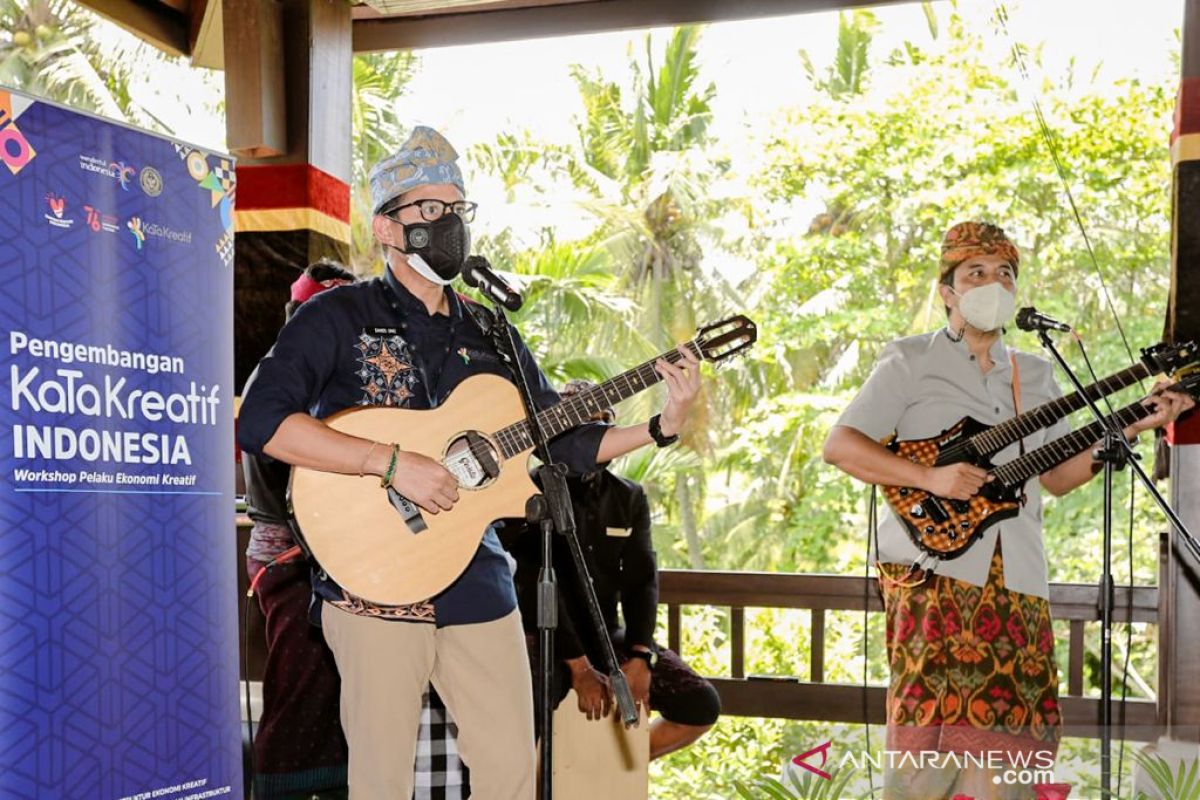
(972, 667)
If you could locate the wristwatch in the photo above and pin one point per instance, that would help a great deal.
(649, 656)
(656, 433)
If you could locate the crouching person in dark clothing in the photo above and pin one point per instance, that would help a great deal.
(612, 520)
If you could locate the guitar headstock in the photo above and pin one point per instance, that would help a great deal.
(1168, 359)
(725, 339)
(1189, 382)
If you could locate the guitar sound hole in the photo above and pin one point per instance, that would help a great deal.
(473, 459)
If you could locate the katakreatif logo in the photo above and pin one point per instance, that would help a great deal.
(58, 208)
(135, 227)
(155, 230)
(57, 385)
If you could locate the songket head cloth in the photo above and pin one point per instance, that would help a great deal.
(426, 158)
(968, 239)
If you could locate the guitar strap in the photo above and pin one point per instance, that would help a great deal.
(1016, 392)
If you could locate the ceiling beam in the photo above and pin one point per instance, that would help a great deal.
(155, 22)
(476, 27)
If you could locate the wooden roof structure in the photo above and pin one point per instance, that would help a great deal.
(195, 27)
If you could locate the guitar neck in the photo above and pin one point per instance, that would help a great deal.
(1049, 456)
(997, 438)
(568, 414)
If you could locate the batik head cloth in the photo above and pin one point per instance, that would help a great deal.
(968, 239)
(424, 159)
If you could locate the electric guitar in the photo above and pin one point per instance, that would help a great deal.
(381, 547)
(971, 441)
(960, 523)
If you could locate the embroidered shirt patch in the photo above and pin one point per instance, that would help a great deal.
(386, 368)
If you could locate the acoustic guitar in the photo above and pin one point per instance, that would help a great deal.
(381, 547)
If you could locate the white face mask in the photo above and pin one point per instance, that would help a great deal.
(425, 271)
(987, 307)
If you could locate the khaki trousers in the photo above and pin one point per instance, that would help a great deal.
(481, 672)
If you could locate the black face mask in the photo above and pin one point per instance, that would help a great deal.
(443, 244)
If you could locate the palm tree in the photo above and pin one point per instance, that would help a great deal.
(50, 48)
(646, 165)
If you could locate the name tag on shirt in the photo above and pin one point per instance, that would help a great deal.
(379, 330)
(624, 533)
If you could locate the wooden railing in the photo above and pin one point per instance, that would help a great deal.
(816, 699)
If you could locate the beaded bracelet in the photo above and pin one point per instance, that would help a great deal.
(386, 480)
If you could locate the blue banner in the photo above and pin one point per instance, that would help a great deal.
(118, 619)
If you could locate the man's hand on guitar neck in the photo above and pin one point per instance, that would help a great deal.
(683, 386)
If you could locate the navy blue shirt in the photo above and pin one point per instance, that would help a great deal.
(374, 343)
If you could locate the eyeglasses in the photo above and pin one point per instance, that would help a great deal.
(433, 210)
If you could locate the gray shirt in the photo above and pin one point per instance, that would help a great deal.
(923, 385)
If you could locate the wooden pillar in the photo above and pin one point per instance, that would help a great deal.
(1179, 688)
(288, 75)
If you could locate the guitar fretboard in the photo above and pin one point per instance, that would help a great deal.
(579, 409)
(1049, 456)
(996, 439)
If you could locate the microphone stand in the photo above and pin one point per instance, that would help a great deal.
(1114, 452)
(552, 511)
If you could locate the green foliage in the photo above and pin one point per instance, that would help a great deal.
(1181, 783)
(852, 194)
(54, 49)
(379, 79)
(849, 69)
(810, 786)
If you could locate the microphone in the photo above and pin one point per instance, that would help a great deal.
(1030, 319)
(477, 272)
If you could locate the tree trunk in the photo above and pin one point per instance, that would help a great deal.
(687, 519)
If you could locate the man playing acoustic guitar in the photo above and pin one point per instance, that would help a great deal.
(971, 648)
(407, 340)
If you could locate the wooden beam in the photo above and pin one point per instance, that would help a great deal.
(426, 9)
(153, 22)
(817, 647)
(846, 592)
(256, 124)
(737, 642)
(476, 27)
